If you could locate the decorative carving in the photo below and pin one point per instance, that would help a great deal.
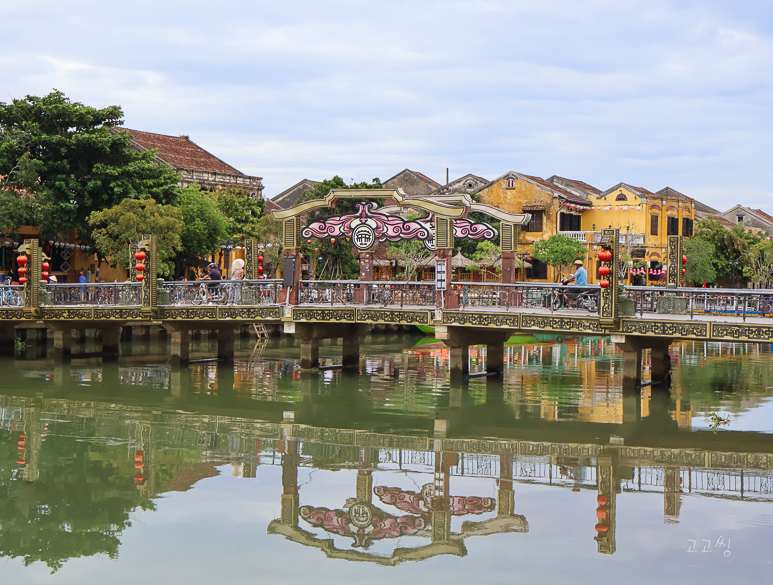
(673, 329)
(189, 313)
(250, 313)
(608, 299)
(675, 260)
(74, 314)
(533, 448)
(337, 315)
(118, 314)
(560, 323)
(12, 314)
(393, 316)
(742, 332)
(481, 319)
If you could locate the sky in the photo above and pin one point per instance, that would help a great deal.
(653, 93)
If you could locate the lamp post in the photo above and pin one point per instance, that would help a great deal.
(226, 248)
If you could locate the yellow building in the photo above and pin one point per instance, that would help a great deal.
(645, 221)
(553, 209)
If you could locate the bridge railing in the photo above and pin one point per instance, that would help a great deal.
(359, 292)
(101, 294)
(12, 295)
(222, 292)
(702, 301)
(551, 296)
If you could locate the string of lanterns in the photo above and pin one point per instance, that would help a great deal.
(69, 246)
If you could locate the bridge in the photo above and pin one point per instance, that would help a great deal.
(461, 313)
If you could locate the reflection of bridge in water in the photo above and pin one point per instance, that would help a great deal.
(642, 455)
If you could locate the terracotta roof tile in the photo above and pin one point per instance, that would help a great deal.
(180, 152)
(725, 222)
(763, 214)
(563, 192)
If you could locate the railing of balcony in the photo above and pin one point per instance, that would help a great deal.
(358, 292)
(222, 292)
(12, 295)
(591, 237)
(701, 301)
(528, 295)
(99, 294)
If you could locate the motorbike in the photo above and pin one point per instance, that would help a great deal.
(566, 298)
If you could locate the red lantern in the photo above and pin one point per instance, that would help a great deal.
(22, 442)
(602, 528)
(22, 436)
(139, 255)
(140, 277)
(44, 274)
(45, 266)
(139, 455)
(604, 284)
(261, 277)
(601, 514)
(684, 271)
(260, 259)
(605, 255)
(139, 465)
(308, 242)
(21, 260)
(22, 270)
(316, 250)
(21, 461)
(22, 280)
(332, 240)
(138, 477)
(260, 270)
(684, 259)
(604, 271)
(139, 267)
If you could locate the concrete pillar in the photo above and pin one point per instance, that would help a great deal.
(145, 333)
(495, 358)
(672, 499)
(111, 341)
(350, 354)
(631, 405)
(660, 361)
(163, 334)
(180, 346)
(80, 335)
(632, 368)
(7, 338)
(62, 344)
(310, 354)
(225, 344)
(460, 361)
(196, 334)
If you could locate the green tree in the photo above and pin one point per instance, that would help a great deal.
(17, 208)
(205, 226)
(486, 254)
(559, 251)
(412, 255)
(242, 213)
(69, 158)
(337, 259)
(700, 265)
(758, 263)
(124, 224)
(268, 232)
(729, 245)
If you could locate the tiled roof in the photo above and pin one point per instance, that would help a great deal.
(180, 152)
(572, 184)
(426, 178)
(764, 215)
(418, 174)
(703, 208)
(568, 195)
(725, 222)
(672, 194)
(292, 195)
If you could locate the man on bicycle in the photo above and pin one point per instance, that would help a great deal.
(213, 273)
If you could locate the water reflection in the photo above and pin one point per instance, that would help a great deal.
(388, 466)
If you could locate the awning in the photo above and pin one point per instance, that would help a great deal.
(533, 208)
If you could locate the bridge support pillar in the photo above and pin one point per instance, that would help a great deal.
(225, 344)
(111, 337)
(632, 347)
(495, 358)
(460, 361)
(309, 354)
(660, 362)
(350, 356)
(631, 367)
(180, 346)
(62, 343)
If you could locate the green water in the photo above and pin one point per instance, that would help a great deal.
(257, 473)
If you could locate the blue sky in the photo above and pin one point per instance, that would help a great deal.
(652, 93)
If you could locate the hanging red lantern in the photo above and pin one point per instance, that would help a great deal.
(21, 260)
(140, 277)
(684, 259)
(605, 255)
(308, 242)
(604, 284)
(332, 240)
(138, 477)
(684, 271)
(139, 267)
(316, 250)
(260, 258)
(22, 280)
(261, 277)
(44, 275)
(22, 436)
(139, 465)
(602, 528)
(604, 270)
(260, 270)
(601, 514)
(139, 455)
(22, 270)
(21, 461)
(45, 266)
(139, 255)
(22, 442)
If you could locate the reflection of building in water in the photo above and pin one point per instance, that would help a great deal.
(155, 376)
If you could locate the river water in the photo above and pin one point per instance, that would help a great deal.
(255, 472)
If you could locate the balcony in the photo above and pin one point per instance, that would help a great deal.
(591, 237)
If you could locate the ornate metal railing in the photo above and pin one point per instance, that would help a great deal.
(221, 292)
(101, 294)
(528, 295)
(701, 301)
(358, 292)
(12, 295)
